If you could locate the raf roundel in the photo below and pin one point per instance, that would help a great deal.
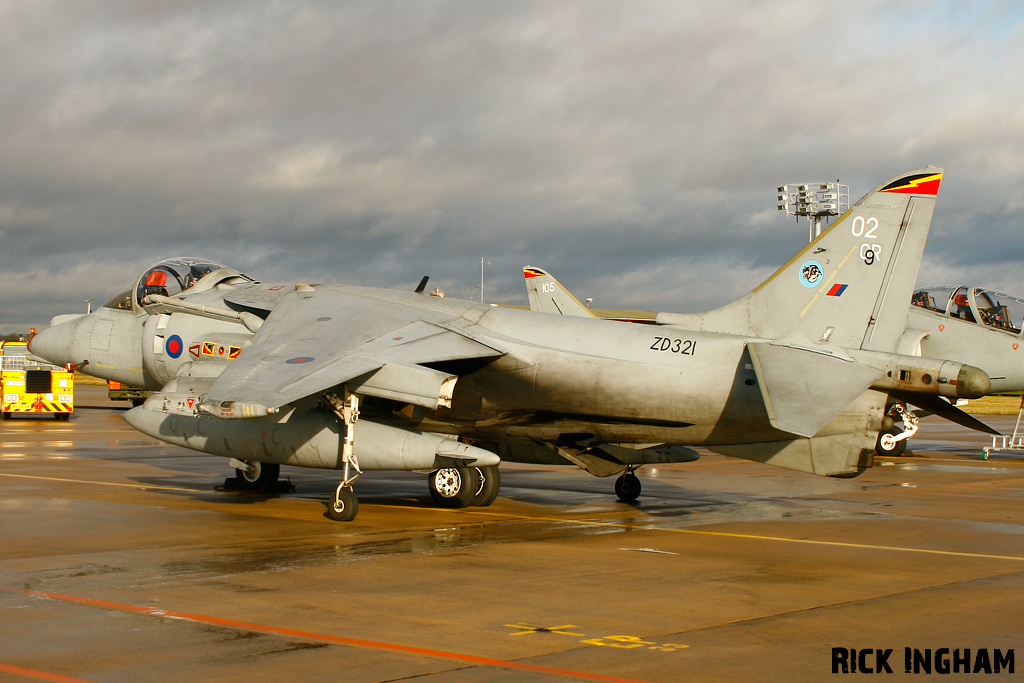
(811, 274)
(175, 346)
(300, 359)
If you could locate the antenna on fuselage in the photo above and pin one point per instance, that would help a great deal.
(422, 285)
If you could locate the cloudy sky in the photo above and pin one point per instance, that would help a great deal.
(632, 148)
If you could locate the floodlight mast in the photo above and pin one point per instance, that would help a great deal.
(814, 201)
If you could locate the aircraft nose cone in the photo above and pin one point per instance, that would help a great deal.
(972, 382)
(55, 343)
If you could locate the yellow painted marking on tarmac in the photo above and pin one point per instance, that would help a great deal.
(729, 534)
(534, 628)
(143, 487)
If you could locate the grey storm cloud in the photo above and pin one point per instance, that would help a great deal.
(633, 149)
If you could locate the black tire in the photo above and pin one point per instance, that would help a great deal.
(136, 402)
(344, 506)
(263, 476)
(454, 487)
(490, 484)
(897, 448)
(6, 416)
(62, 417)
(627, 487)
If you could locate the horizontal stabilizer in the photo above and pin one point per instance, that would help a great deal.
(944, 409)
(804, 389)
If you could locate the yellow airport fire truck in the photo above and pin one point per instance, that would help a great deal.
(32, 386)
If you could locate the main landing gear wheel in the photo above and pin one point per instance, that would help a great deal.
(259, 476)
(344, 505)
(454, 487)
(887, 444)
(490, 484)
(627, 487)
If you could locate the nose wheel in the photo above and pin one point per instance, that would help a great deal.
(627, 487)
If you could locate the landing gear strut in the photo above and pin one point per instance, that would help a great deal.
(892, 442)
(345, 505)
(627, 486)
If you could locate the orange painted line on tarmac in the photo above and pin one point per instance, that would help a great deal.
(323, 637)
(40, 675)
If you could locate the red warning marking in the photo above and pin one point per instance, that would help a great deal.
(194, 350)
(190, 401)
(233, 351)
(40, 675)
(323, 637)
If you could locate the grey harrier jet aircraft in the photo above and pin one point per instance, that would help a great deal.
(981, 327)
(795, 374)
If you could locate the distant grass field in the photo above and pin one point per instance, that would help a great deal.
(993, 405)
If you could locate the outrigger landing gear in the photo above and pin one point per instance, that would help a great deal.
(627, 486)
(892, 442)
(345, 505)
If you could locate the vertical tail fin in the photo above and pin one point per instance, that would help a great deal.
(549, 296)
(850, 286)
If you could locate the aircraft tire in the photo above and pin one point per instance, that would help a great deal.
(627, 487)
(490, 484)
(896, 449)
(344, 505)
(262, 478)
(454, 487)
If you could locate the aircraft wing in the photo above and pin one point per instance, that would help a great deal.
(313, 341)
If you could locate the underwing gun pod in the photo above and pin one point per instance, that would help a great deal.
(796, 374)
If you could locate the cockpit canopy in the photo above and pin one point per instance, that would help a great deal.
(168, 278)
(989, 307)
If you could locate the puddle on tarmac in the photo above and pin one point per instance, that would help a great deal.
(936, 467)
(446, 540)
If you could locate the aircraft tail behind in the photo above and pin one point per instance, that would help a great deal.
(852, 285)
(549, 296)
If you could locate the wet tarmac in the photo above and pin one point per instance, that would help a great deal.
(121, 561)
